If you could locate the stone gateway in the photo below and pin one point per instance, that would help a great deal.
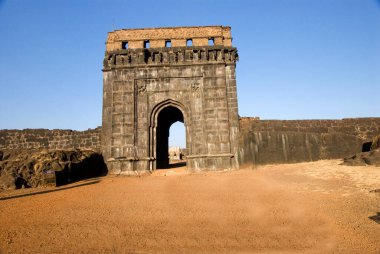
(154, 77)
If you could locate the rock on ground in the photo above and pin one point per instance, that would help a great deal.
(35, 168)
(364, 158)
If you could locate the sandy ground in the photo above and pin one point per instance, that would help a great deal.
(318, 207)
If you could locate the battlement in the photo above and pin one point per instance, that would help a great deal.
(169, 37)
(127, 58)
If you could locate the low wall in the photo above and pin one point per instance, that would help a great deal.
(260, 141)
(288, 141)
(50, 139)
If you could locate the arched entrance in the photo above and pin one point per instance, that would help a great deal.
(163, 116)
(166, 118)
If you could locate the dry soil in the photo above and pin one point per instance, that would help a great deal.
(318, 207)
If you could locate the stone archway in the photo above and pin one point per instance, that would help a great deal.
(162, 117)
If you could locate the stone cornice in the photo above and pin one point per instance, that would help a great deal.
(127, 58)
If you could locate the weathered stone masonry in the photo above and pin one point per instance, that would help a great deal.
(148, 89)
(50, 139)
(289, 141)
(260, 141)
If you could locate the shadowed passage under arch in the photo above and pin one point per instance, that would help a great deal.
(165, 119)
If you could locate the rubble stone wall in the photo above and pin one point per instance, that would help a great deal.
(50, 139)
(290, 141)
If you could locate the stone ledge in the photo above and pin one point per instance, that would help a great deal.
(210, 155)
(161, 56)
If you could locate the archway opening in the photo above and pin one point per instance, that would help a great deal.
(177, 145)
(165, 119)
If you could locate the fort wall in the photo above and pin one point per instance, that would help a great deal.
(50, 139)
(290, 141)
(260, 142)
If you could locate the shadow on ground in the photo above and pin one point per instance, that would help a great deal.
(91, 167)
(176, 164)
(375, 218)
(49, 191)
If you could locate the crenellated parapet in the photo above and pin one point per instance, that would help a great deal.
(174, 56)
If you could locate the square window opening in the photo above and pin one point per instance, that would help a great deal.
(168, 43)
(189, 42)
(211, 41)
(146, 44)
(124, 45)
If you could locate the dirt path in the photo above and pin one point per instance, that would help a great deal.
(317, 207)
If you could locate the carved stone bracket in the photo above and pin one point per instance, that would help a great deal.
(195, 88)
(141, 88)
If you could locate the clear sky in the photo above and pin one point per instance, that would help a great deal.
(299, 59)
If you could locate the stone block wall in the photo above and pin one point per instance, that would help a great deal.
(138, 85)
(177, 36)
(260, 141)
(50, 139)
(289, 141)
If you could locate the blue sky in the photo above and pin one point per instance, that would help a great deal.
(299, 59)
